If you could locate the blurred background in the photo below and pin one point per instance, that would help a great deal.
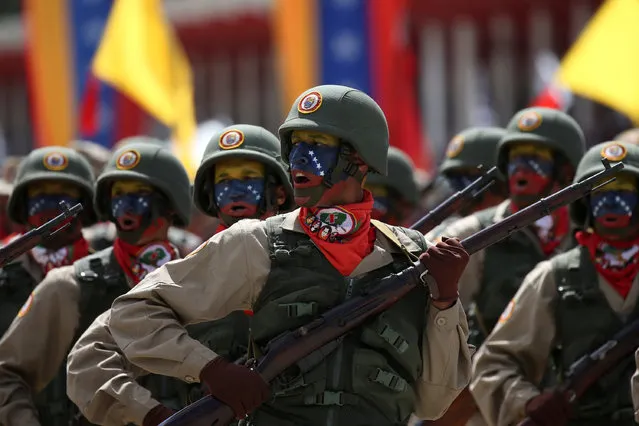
(435, 66)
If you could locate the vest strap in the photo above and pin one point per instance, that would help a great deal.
(332, 398)
(388, 233)
(299, 309)
(388, 379)
(392, 337)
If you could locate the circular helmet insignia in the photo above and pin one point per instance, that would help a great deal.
(529, 121)
(310, 103)
(614, 152)
(128, 160)
(231, 139)
(455, 146)
(55, 161)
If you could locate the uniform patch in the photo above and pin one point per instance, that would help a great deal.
(529, 121)
(614, 152)
(55, 161)
(508, 312)
(332, 223)
(26, 307)
(231, 139)
(128, 160)
(310, 103)
(455, 146)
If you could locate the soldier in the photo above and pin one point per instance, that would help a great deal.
(143, 189)
(568, 306)
(45, 177)
(538, 154)
(103, 234)
(94, 153)
(290, 268)
(629, 136)
(396, 195)
(466, 151)
(101, 381)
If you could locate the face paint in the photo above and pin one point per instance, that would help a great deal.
(613, 208)
(239, 189)
(132, 209)
(530, 173)
(312, 159)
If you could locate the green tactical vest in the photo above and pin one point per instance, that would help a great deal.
(228, 337)
(16, 284)
(506, 264)
(584, 322)
(369, 378)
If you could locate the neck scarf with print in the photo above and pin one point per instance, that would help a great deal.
(616, 261)
(138, 261)
(552, 229)
(342, 233)
(49, 259)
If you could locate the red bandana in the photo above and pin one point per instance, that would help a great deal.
(616, 261)
(342, 233)
(221, 227)
(50, 259)
(138, 261)
(551, 229)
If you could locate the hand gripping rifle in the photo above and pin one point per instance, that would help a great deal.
(321, 334)
(455, 202)
(587, 370)
(26, 242)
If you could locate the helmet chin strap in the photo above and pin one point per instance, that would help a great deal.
(344, 168)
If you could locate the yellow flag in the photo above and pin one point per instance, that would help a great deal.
(603, 64)
(140, 55)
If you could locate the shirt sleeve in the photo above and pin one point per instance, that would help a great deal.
(102, 382)
(34, 348)
(511, 364)
(223, 275)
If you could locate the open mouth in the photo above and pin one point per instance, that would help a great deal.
(128, 222)
(239, 209)
(304, 179)
(612, 220)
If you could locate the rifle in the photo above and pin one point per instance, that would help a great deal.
(311, 341)
(26, 242)
(587, 370)
(456, 201)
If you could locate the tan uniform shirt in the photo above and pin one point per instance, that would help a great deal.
(226, 274)
(36, 344)
(635, 388)
(511, 363)
(102, 382)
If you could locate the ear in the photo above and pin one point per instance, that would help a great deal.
(280, 195)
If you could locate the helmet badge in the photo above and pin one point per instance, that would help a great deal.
(529, 121)
(55, 161)
(310, 103)
(128, 160)
(231, 139)
(455, 146)
(614, 152)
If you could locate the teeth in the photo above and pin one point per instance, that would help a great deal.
(299, 174)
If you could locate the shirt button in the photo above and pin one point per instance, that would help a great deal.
(441, 321)
(189, 379)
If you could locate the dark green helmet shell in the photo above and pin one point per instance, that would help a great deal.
(241, 141)
(341, 111)
(401, 176)
(471, 148)
(545, 126)
(152, 164)
(52, 163)
(629, 136)
(591, 164)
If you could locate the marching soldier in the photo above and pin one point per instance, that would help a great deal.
(46, 177)
(290, 268)
(538, 154)
(143, 189)
(396, 195)
(101, 381)
(566, 308)
(467, 151)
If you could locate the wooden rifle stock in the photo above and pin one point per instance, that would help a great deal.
(586, 371)
(455, 202)
(35, 236)
(291, 347)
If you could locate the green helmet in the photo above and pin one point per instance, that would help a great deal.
(471, 148)
(247, 142)
(152, 164)
(401, 177)
(629, 136)
(546, 126)
(140, 139)
(591, 164)
(347, 113)
(52, 163)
